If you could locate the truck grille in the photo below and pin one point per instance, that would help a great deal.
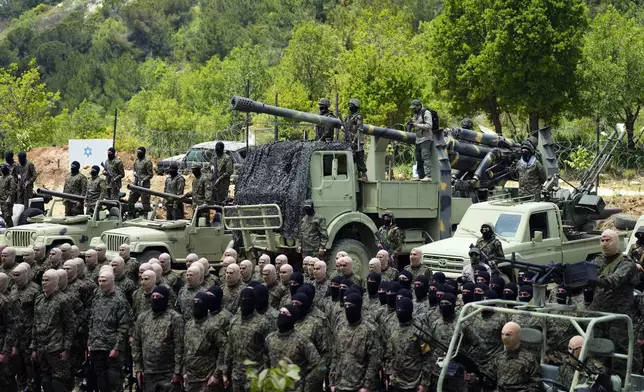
(21, 238)
(115, 241)
(443, 263)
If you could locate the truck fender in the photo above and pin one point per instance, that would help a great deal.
(343, 220)
(49, 241)
(152, 245)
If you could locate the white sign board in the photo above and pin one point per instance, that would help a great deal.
(88, 152)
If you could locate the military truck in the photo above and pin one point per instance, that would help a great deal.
(53, 231)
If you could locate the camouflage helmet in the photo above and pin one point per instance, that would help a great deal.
(474, 250)
(354, 102)
(528, 146)
(416, 104)
(324, 102)
(307, 203)
(467, 123)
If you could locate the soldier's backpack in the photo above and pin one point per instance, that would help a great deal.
(435, 125)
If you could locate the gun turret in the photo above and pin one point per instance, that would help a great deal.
(62, 195)
(163, 195)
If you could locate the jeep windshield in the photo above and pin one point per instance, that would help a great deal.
(506, 225)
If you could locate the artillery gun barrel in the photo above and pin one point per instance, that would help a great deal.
(62, 195)
(152, 192)
(249, 106)
(488, 139)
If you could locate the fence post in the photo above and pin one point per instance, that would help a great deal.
(276, 136)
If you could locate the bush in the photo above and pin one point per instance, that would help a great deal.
(278, 379)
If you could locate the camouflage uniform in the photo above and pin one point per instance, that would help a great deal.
(516, 371)
(355, 279)
(636, 252)
(231, 296)
(108, 330)
(92, 274)
(175, 186)
(321, 290)
(276, 293)
(204, 344)
(9, 325)
(25, 297)
(390, 274)
(325, 132)
(126, 286)
(38, 270)
(484, 335)
(316, 330)
(222, 319)
(96, 190)
(143, 173)
(141, 302)
(157, 348)
(442, 330)
(132, 270)
(8, 269)
(116, 169)
(353, 135)
(531, 177)
(424, 141)
(221, 176)
(391, 238)
(406, 360)
(419, 270)
(26, 177)
(300, 351)
(270, 314)
(246, 338)
(567, 372)
(355, 357)
(7, 198)
(186, 301)
(421, 308)
(76, 184)
(53, 332)
(201, 191)
(173, 280)
(313, 235)
(491, 248)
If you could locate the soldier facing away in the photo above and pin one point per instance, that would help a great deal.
(222, 169)
(26, 177)
(114, 172)
(353, 134)
(174, 184)
(7, 195)
(75, 184)
(313, 235)
(96, 189)
(142, 175)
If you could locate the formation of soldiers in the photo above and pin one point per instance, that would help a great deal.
(16, 184)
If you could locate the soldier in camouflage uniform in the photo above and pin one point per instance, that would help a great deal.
(421, 124)
(109, 325)
(313, 236)
(356, 352)
(416, 266)
(275, 289)
(248, 331)
(530, 172)
(40, 261)
(263, 261)
(390, 237)
(8, 263)
(55, 259)
(91, 258)
(141, 296)
(9, 328)
(52, 335)
(246, 271)
(387, 272)
(636, 252)
(346, 268)
(233, 288)
(567, 369)
(287, 344)
(26, 177)
(143, 172)
(325, 132)
(7, 195)
(222, 169)
(353, 134)
(407, 361)
(219, 315)
(75, 184)
(157, 347)
(114, 172)
(188, 292)
(175, 185)
(421, 290)
(314, 328)
(9, 161)
(170, 277)
(488, 244)
(96, 189)
(373, 283)
(321, 282)
(131, 265)
(484, 337)
(262, 306)
(86, 287)
(124, 284)
(516, 369)
(201, 190)
(24, 293)
(204, 344)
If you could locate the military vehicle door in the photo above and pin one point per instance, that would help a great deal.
(206, 232)
(333, 183)
(107, 216)
(546, 247)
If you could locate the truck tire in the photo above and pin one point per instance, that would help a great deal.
(28, 213)
(358, 253)
(625, 221)
(147, 256)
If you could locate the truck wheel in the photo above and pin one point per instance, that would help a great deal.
(358, 253)
(147, 256)
(28, 213)
(625, 221)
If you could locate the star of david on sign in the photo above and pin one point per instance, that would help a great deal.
(88, 152)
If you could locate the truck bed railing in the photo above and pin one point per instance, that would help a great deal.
(253, 218)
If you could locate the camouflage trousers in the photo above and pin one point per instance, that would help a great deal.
(108, 371)
(220, 192)
(24, 369)
(73, 208)
(7, 379)
(54, 372)
(202, 386)
(24, 194)
(113, 190)
(159, 383)
(7, 214)
(423, 155)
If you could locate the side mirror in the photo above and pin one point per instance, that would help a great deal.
(538, 236)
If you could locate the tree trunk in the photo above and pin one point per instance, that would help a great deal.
(630, 126)
(534, 122)
(495, 115)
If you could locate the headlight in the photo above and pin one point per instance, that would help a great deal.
(103, 238)
(34, 235)
(8, 235)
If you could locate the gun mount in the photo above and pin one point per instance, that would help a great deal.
(62, 195)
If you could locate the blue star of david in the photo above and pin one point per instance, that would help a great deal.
(88, 152)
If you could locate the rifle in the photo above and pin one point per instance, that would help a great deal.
(462, 359)
(108, 174)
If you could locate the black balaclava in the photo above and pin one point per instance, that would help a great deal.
(200, 309)
(219, 149)
(335, 291)
(468, 292)
(527, 293)
(562, 295)
(421, 287)
(22, 158)
(431, 295)
(343, 292)
(359, 289)
(640, 235)
(254, 283)
(404, 293)
(305, 301)
(386, 220)
(442, 289)
(196, 171)
(405, 283)
(308, 289)
(589, 294)
(5, 169)
(527, 278)
(159, 305)
(479, 290)
(173, 171)
(8, 157)
(439, 277)
(404, 310)
(447, 311)
(261, 298)
(485, 276)
(95, 170)
(111, 153)
(498, 284)
(353, 313)
(454, 285)
(75, 167)
(247, 301)
(294, 283)
(218, 295)
(392, 292)
(308, 207)
(488, 234)
(286, 323)
(373, 282)
(382, 292)
(140, 152)
(510, 292)
(489, 294)
(477, 270)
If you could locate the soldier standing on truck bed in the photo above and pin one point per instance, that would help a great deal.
(422, 124)
(26, 172)
(142, 176)
(389, 236)
(114, 172)
(174, 184)
(96, 189)
(201, 190)
(222, 169)
(324, 132)
(530, 171)
(75, 184)
(7, 195)
(353, 135)
(313, 236)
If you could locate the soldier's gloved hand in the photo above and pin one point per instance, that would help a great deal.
(299, 249)
(114, 354)
(64, 356)
(321, 252)
(213, 380)
(176, 379)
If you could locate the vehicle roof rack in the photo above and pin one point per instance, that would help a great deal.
(505, 200)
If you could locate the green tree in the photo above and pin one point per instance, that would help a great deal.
(612, 71)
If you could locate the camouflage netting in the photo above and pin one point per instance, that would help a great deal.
(279, 173)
